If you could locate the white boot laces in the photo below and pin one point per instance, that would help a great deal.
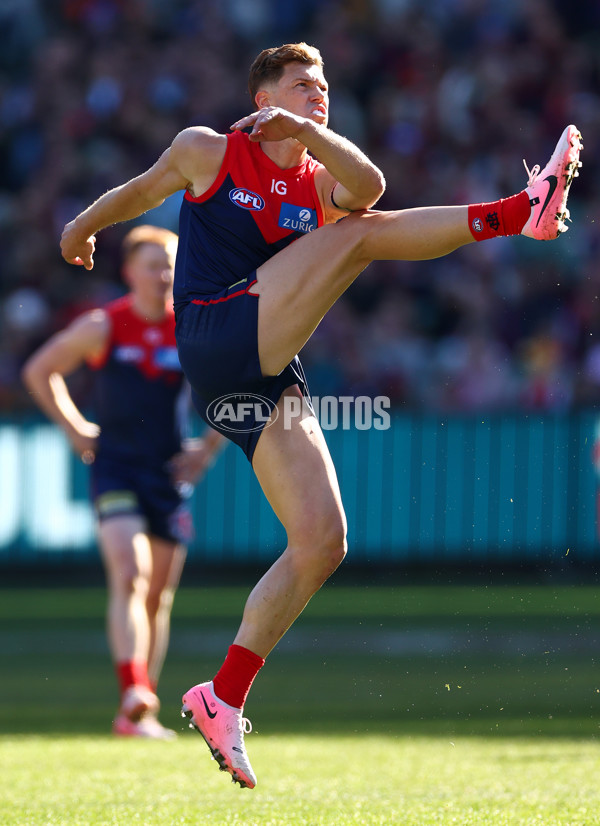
(533, 173)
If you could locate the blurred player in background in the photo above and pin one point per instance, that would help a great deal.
(247, 300)
(139, 467)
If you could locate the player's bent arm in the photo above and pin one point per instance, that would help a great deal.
(332, 196)
(122, 203)
(43, 375)
(358, 182)
(193, 157)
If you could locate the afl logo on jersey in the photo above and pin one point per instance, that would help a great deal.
(246, 199)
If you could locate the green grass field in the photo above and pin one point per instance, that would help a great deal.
(383, 705)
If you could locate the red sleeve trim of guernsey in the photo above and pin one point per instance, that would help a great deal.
(222, 174)
(207, 303)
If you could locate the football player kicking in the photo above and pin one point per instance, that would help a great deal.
(247, 299)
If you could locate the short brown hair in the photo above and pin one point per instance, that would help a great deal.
(270, 63)
(147, 234)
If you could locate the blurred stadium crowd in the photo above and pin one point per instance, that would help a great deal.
(447, 97)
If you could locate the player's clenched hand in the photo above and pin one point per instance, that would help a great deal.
(271, 124)
(84, 441)
(76, 250)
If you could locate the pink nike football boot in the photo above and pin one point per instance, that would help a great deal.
(548, 190)
(223, 728)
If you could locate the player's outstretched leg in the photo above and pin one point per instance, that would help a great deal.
(548, 190)
(223, 728)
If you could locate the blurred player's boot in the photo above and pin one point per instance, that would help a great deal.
(147, 727)
(548, 190)
(223, 728)
(138, 700)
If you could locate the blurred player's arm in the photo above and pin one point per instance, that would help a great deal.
(193, 159)
(43, 375)
(197, 456)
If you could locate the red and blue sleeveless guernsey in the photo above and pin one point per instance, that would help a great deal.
(252, 210)
(137, 384)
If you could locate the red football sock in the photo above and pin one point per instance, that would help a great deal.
(132, 672)
(507, 216)
(236, 675)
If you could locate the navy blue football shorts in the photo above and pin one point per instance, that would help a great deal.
(124, 487)
(217, 341)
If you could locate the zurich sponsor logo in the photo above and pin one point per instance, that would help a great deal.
(246, 199)
(241, 412)
(298, 219)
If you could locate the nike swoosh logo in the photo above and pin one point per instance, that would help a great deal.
(211, 714)
(552, 183)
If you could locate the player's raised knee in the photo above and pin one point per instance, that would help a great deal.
(359, 228)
